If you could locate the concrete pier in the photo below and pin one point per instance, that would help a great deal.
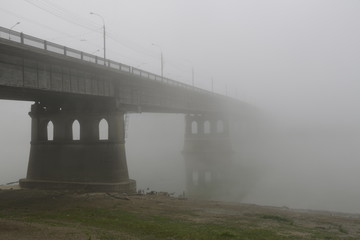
(207, 154)
(62, 160)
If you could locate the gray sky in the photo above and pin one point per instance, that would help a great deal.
(297, 60)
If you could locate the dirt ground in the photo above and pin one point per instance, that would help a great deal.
(25, 214)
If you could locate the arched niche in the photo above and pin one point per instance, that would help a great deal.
(75, 130)
(50, 131)
(103, 129)
(194, 127)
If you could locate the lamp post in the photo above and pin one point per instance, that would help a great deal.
(12, 28)
(161, 59)
(104, 33)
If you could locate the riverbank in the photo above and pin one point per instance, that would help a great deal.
(26, 214)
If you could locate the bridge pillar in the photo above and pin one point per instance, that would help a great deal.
(77, 159)
(207, 154)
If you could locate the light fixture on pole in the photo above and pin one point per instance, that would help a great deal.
(161, 59)
(104, 33)
(12, 28)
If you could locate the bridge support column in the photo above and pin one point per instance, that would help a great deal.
(207, 154)
(84, 162)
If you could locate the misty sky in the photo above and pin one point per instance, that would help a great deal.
(296, 60)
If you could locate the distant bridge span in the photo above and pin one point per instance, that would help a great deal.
(68, 85)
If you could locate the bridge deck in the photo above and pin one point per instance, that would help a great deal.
(37, 70)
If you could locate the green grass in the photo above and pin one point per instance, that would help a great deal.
(277, 218)
(112, 224)
(141, 225)
(342, 230)
(108, 219)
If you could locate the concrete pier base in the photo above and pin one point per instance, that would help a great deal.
(208, 156)
(122, 187)
(87, 162)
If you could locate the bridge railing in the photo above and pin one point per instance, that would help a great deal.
(28, 40)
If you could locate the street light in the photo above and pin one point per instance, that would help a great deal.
(12, 28)
(161, 59)
(92, 13)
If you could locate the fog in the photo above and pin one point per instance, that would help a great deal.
(296, 61)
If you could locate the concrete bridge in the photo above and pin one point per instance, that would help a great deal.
(70, 87)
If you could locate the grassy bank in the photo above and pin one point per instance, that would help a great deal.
(56, 215)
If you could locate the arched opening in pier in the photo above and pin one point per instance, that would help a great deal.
(194, 127)
(50, 131)
(76, 130)
(103, 130)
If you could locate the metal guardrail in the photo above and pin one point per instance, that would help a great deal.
(28, 40)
